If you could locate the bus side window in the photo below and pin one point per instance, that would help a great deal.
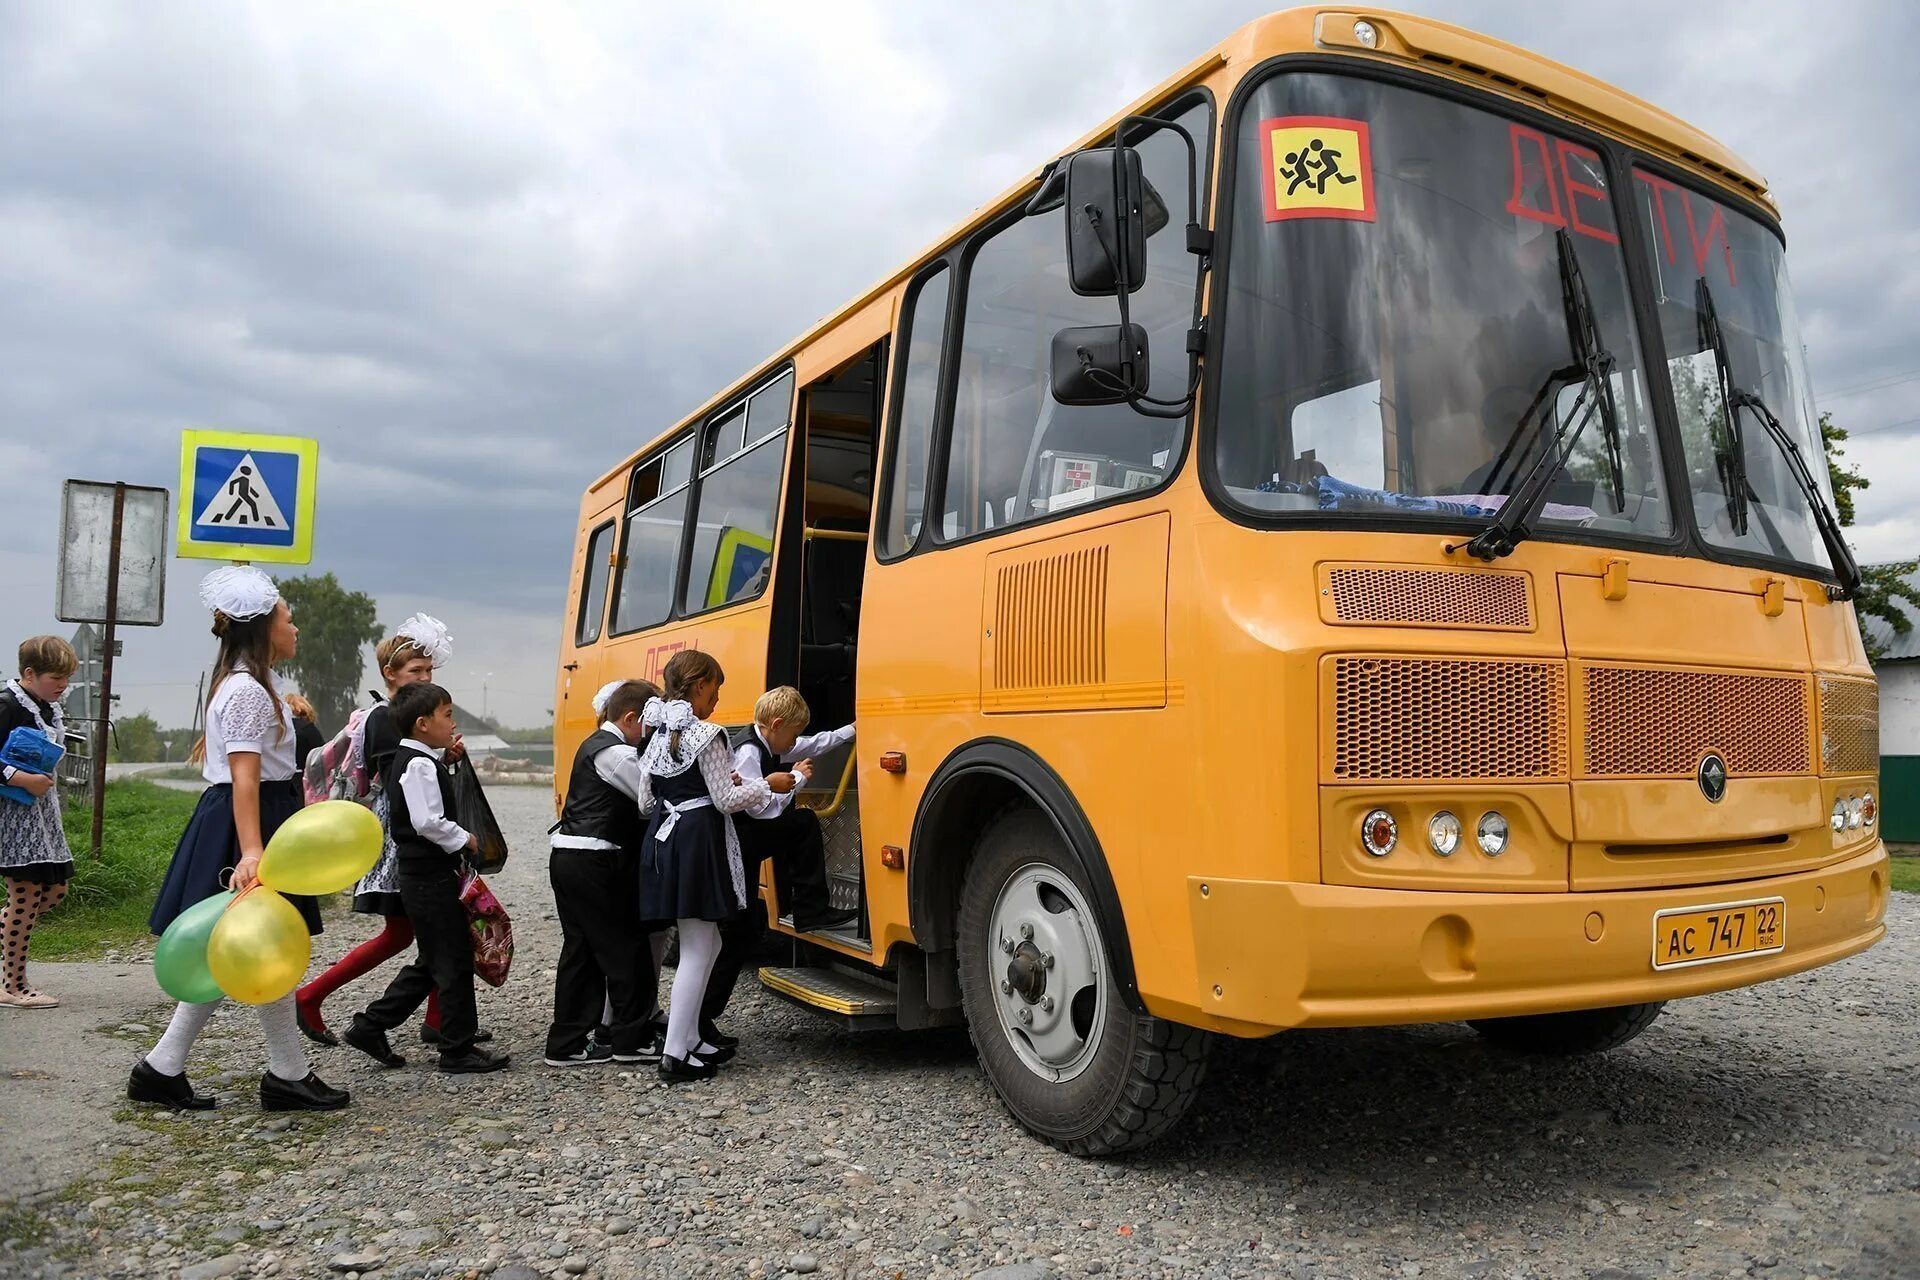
(650, 562)
(731, 556)
(922, 328)
(593, 585)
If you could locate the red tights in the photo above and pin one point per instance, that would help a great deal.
(362, 960)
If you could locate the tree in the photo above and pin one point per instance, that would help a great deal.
(135, 738)
(1882, 586)
(335, 625)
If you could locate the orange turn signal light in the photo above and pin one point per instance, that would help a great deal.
(893, 762)
(893, 857)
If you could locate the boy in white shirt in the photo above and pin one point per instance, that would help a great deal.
(779, 831)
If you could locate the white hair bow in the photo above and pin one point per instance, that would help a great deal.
(605, 696)
(675, 717)
(430, 636)
(241, 592)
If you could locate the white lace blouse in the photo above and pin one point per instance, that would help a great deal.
(241, 718)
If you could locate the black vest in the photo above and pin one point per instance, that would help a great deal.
(769, 763)
(594, 807)
(410, 848)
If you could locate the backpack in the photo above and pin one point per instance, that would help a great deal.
(337, 771)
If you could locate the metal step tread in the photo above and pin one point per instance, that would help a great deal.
(833, 991)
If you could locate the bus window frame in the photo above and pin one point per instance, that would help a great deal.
(959, 259)
(627, 511)
(586, 580)
(939, 448)
(696, 486)
(1618, 160)
(901, 340)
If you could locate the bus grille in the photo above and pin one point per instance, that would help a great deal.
(1646, 722)
(1849, 725)
(1465, 598)
(1448, 718)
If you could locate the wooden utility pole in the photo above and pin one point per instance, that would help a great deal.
(104, 724)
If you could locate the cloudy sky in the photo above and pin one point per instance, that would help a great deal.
(482, 250)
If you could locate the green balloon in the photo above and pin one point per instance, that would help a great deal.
(180, 958)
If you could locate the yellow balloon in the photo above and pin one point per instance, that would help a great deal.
(260, 949)
(322, 849)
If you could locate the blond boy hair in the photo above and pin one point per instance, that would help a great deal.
(47, 656)
(783, 703)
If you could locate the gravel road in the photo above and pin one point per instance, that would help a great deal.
(1773, 1132)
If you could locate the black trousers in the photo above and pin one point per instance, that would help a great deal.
(603, 951)
(444, 960)
(793, 843)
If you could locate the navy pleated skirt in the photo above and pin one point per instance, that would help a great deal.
(209, 848)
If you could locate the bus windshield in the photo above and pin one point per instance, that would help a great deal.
(1397, 305)
(1716, 269)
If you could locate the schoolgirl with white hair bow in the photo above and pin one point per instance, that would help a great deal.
(253, 786)
(690, 866)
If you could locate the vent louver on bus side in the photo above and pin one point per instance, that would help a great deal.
(1078, 622)
(1363, 595)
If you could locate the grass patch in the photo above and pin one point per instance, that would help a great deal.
(108, 900)
(1906, 874)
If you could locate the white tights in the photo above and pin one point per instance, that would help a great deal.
(699, 948)
(285, 1056)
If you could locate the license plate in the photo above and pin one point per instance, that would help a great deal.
(1684, 936)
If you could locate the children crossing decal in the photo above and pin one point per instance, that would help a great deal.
(247, 497)
(1317, 167)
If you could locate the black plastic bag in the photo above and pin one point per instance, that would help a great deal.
(471, 810)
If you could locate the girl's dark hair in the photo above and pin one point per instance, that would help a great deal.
(414, 703)
(686, 669)
(247, 646)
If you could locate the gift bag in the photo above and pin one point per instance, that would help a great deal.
(471, 811)
(491, 927)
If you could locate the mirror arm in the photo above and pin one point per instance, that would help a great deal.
(1200, 242)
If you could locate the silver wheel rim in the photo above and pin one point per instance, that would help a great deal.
(1048, 966)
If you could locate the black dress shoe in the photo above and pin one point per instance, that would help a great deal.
(313, 1031)
(372, 1041)
(718, 1055)
(680, 1070)
(826, 920)
(431, 1035)
(148, 1085)
(311, 1094)
(474, 1061)
(718, 1038)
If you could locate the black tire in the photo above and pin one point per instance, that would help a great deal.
(1567, 1035)
(1144, 1071)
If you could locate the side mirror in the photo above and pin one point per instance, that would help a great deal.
(1111, 210)
(1099, 364)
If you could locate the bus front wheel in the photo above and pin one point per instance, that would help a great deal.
(1073, 1064)
(1570, 1034)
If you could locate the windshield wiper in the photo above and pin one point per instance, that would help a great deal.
(1737, 398)
(1729, 444)
(1592, 367)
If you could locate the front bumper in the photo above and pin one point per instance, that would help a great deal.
(1273, 955)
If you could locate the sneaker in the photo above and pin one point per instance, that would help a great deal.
(647, 1054)
(591, 1056)
(475, 1061)
(372, 1041)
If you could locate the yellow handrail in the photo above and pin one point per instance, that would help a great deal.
(840, 793)
(835, 535)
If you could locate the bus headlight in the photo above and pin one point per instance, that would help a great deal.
(1853, 813)
(1443, 833)
(1868, 809)
(1839, 813)
(1379, 833)
(1491, 833)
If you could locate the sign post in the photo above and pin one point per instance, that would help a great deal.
(131, 522)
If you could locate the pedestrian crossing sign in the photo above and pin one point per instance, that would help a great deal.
(247, 497)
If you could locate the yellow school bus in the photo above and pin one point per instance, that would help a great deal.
(1346, 544)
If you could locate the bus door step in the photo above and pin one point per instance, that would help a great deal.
(855, 1001)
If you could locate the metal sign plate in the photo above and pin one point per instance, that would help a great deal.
(86, 541)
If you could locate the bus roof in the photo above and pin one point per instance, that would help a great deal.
(1434, 47)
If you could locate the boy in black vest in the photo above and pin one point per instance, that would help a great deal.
(605, 960)
(428, 848)
(781, 832)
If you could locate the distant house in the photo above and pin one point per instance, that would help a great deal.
(1898, 668)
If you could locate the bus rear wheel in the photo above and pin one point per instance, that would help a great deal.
(1074, 1065)
(1568, 1035)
